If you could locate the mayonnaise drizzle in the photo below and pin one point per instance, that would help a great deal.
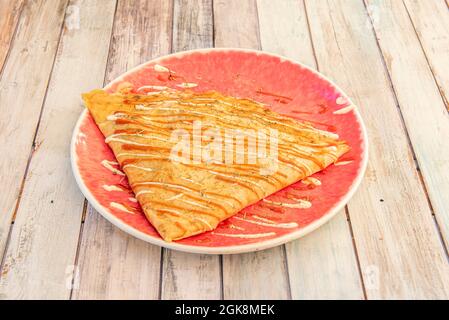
(272, 224)
(159, 68)
(342, 163)
(138, 167)
(246, 236)
(111, 188)
(143, 192)
(341, 100)
(345, 109)
(132, 199)
(179, 195)
(120, 207)
(311, 181)
(194, 203)
(112, 137)
(187, 85)
(108, 165)
(301, 204)
(233, 226)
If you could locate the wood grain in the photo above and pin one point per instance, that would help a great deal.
(39, 263)
(431, 22)
(22, 90)
(113, 264)
(424, 112)
(9, 16)
(191, 276)
(236, 24)
(398, 246)
(260, 275)
(124, 268)
(322, 265)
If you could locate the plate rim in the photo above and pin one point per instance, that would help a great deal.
(234, 249)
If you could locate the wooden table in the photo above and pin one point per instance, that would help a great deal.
(391, 57)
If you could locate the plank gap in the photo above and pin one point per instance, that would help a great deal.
(354, 245)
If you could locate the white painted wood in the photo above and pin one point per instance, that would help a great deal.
(424, 112)
(22, 90)
(9, 16)
(113, 264)
(191, 276)
(260, 275)
(44, 238)
(123, 268)
(431, 22)
(322, 265)
(399, 250)
(236, 24)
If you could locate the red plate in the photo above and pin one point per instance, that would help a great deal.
(290, 88)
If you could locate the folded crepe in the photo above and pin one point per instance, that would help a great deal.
(187, 180)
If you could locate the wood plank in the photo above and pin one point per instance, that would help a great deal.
(113, 264)
(192, 25)
(322, 265)
(44, 238)
(238, 30)
(124, 268)
(260, 275)
(9, 17)
(399, 250)
(424, 112)
(431, 22)
(191, 276)
(22, 90)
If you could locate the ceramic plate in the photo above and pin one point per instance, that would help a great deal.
(289, 88)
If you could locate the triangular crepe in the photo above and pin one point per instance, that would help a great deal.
(185, 195)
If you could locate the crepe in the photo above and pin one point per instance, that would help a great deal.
(155, 140)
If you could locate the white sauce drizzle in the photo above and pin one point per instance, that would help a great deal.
(341, 100)
(159, 68)
(129, 142)
(191, 181)
(81, 138)
(345, 109)
(246, 236)
(143, 192)
(187, 85)
(132, 199)
(120, 207)
(311, 181)
(272, 224)
(302, 204)
(112, 137)
(138, 167)
(233, 226)
(194, 204)
(108, 165)
(342, 163)
(111, 188)
(175, 197)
